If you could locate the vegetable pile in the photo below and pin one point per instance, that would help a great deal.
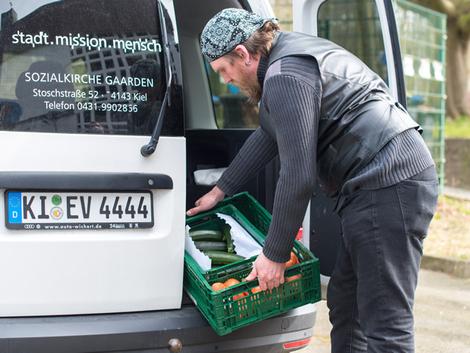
(216, 244)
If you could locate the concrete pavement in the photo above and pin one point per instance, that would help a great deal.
(442, 316)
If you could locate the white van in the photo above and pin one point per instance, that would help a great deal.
(107, 108)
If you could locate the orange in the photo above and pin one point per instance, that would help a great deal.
(239, 296)
(292, 261)
(293, 278)
(289, 264)
(217, 286)
(294, 258)
(231, 282)
(256, 289)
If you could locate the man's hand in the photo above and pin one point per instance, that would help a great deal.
(270, 274)
(207, 202)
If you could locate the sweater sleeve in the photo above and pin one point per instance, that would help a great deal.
(293, 106)
(255, 153)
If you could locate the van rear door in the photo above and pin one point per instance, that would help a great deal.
(90, 225)
(366, 28)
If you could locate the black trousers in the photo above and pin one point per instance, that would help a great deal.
(371, 291)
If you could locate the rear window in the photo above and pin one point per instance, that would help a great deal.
(355, 25)
(81, 66)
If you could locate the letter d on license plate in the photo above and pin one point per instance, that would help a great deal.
(78, 210)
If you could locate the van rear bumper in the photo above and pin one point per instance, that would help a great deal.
(149, 332)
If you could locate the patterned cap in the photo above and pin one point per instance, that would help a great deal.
(227, 29)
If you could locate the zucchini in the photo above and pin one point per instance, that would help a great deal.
(228, 238)
(205, 234)
(205, 245)
(222, 258)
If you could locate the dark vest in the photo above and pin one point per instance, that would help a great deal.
(358, 114)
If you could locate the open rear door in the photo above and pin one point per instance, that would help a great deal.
(367, 28)
(90, 225)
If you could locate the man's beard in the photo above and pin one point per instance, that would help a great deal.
(253, 92)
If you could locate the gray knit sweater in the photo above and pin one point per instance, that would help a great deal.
(289, 118)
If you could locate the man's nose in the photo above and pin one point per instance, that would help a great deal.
(226, 79)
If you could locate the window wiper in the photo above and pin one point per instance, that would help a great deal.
(151, 146)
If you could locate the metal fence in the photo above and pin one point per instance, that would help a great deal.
(423, 48)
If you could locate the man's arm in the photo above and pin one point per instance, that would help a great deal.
(294, 111)
(256, 152)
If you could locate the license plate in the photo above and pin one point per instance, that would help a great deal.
(78, 210)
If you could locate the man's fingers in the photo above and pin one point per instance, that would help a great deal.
(195, 210)
(252, 276)
(262, 284)
(199, 208)
(192, 211)
(274, 283)
(202, 204)
(279, 279)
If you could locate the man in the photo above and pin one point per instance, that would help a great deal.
(326, 114)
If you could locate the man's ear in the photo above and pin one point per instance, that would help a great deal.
(242, 52)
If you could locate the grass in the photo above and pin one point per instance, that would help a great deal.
(449, 233)
(458, 128)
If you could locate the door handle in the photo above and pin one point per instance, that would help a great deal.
(27, 180)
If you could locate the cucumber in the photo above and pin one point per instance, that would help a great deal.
(205, 245)
(228, 238)
(205, 234)
(223, 258)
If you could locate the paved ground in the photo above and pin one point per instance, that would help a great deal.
(449, 232)
(442, 316)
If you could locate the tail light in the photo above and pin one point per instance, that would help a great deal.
(297, 344)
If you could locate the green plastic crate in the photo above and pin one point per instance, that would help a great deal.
(236, 307)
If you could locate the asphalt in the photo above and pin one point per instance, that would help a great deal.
(442, 316)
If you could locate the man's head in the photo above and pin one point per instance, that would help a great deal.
(233, 41)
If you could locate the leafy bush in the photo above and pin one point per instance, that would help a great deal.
(458, 128)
